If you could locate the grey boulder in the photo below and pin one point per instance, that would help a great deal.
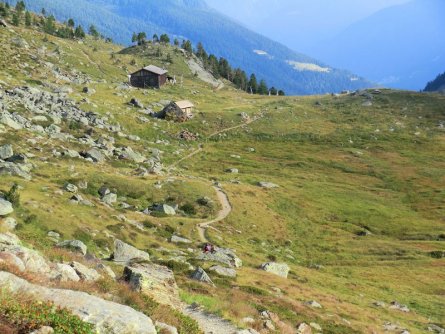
(74, 245)
(5, 207)
(280, 269)
(125, 253)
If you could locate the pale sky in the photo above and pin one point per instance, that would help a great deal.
(300, 24)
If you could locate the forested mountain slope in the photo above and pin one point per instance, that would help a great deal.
(279, 66)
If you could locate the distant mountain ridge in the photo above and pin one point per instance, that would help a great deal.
(401, 46)
(193, 19)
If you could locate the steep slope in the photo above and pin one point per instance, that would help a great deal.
(280, 66)
(401, 46)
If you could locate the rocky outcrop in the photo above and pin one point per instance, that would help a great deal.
(108, 317)
(156, 281)
(280, 269)
(125, 254)
(221, 255)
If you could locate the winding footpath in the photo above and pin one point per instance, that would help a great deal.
(226, 209)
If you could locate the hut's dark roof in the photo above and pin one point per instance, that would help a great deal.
(154, 69)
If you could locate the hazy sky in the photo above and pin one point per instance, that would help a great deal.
(300, 24)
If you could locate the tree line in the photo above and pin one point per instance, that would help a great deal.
(220, 68)
(19, 15)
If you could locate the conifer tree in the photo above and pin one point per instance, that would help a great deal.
(28, 19)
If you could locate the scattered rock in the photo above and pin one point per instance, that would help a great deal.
(178, 240)
(108, 317)
(221, 255)
(397, 306)
(223, 271)
(135, 103)
(267, 185)
(8, 223)
(6, 151)
(165, 209)
(109, 198)
(95, 154)
(167, 329)
(280, 269)
(85, 273)
(156, 281)
(125, 254)
(65, 273)
(436, 329)
(187, 135)
(200, 275)
(43, 330)
(12, 260)
(5, 207)
(70, 188)
(304, 328)
(313, 304)
(232, 170)
(74, 245)
(316, 326)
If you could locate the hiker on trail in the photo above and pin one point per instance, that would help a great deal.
(208, 248)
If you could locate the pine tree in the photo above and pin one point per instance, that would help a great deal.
(20, 7)
(28, 19)
(93, 31)
(253, 84)
(16, 19)
(200, 52)
(71, 23)
(164, 39)
(50, 25)
(176, 42)
(155, 38)
(187, 46)
(79, 32)
(262, 88)
(134, 38)
(43, 11)
(142, 36)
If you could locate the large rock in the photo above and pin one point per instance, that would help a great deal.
(179, 240)
(267, 185)
(85, 273)
(32, 261)
(280, 269)
(6, 151)
(200, 275)
(65, 273)
(154, 280)
(8, 120)
(221, 255)
(125, 254)
(223, 271)
(109, 198)
(8, 223)
(108, 317)
(166, 209)
(95, 154)
(74, 245)
(167, 329)
(5, 207)
(21, 170)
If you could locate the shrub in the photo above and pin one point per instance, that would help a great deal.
(13, 195)
(27, 316)
(189, 209)
(253, 290)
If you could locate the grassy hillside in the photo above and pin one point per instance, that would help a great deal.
(358, 212)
